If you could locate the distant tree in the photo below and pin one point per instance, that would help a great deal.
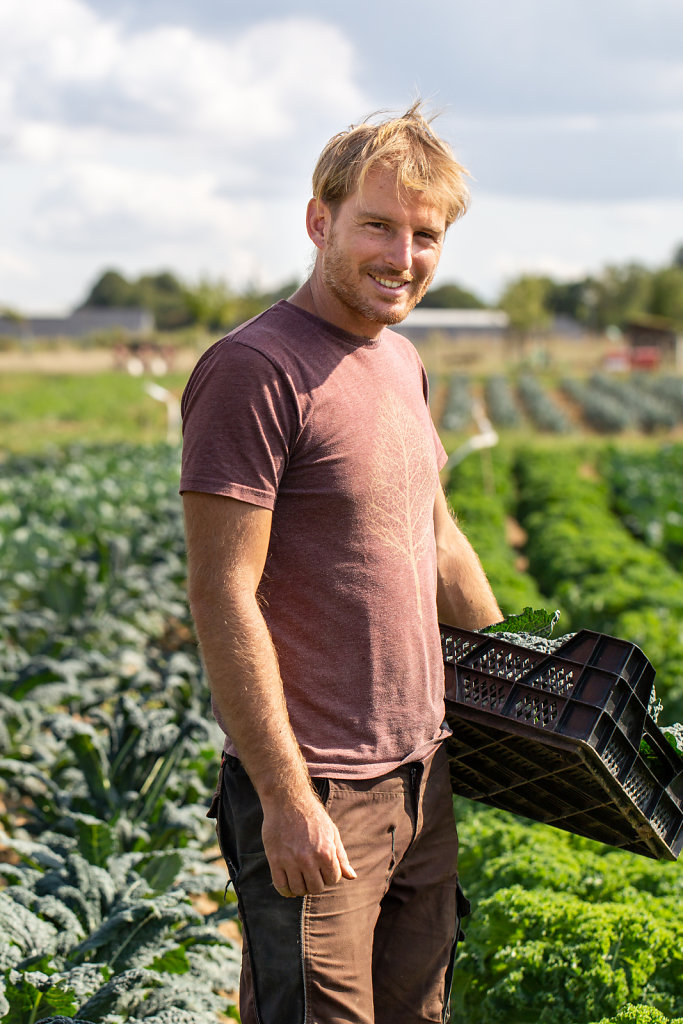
(164, 281)
(622, 292)
(111, 289)
(666, 297)
(216, 306)
(166, 297)
(525, 302)
(678, 257)
(451, 296)
(253, 300)
(570, 298)
(8, 313)
(212, 304)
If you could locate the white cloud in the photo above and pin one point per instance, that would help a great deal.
(158, 145)
(501, 238)
(91, 199)
(537, 57)
(160, 134)
(64, 65)
(11, 263)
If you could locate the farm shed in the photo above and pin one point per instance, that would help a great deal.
(655, 335)
(453, 324)
(82, 322)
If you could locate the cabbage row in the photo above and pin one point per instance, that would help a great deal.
(612, 404)
(500, 402)
(480, 492)
(107, 752)
(604, 403)
(563, 930)
(541, 407)
(457, 412)
(585, 559)
(647, 492)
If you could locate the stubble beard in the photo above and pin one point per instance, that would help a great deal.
(340, 276)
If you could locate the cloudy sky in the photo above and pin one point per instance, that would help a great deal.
(180, 134)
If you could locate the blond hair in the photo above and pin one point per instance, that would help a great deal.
(423, 162)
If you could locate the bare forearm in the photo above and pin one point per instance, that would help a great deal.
(464, 597)
(245, 683)
(227, 542)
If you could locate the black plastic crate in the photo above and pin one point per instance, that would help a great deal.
(556, 738)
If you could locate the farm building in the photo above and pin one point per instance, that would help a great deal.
(653, 340)
(453, 324)
(79, 324)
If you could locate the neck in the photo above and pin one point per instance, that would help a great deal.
(304, 298)
(312, 297)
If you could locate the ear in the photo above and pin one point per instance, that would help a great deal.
(318, 222)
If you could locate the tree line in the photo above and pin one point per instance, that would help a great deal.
(211, 303)
(612, 297)
(619, 294)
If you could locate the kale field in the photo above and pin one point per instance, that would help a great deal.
(112, 901)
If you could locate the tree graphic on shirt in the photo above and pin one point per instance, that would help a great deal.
(403, 486)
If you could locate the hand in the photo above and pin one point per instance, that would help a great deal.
(303, 847)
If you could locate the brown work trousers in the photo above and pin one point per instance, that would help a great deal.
(377, 949)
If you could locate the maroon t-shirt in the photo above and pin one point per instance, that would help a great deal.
(333, 433)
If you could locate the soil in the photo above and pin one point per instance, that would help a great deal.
(72, 360)
(515, 535)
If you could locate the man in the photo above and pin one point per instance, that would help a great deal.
(320, 547)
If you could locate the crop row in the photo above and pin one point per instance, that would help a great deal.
(457, 412)
(480, 493)
(107, 753)
(567, 930)
(584, 558)
(647, 492)
(563, 930)
(573, 552)
(603, 403)
(611, 405)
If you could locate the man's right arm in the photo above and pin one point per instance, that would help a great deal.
(227, 543)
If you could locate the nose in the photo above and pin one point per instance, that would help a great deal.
(399, 254)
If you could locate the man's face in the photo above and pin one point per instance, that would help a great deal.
(380, 254)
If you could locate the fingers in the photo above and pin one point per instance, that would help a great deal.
(339, 865)
(292, 883)
(294, 880)
(281, 882)
(304, 850)
(346, 869)
(330, 872)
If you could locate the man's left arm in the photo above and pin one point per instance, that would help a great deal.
(463, 595)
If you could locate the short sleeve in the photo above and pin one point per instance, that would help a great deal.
(240, 419)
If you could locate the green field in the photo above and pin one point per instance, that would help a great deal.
(37, 410)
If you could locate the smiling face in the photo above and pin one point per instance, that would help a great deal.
(378, 252)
